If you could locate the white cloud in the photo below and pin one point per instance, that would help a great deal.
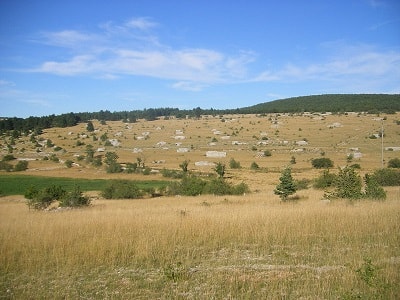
(129, 49)
(363, 64)
(189, 86)
(141, 23)
(77, 65)
(67, 38)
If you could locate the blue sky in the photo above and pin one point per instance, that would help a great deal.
(86, 55)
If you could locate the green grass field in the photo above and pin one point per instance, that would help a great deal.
(18, 184)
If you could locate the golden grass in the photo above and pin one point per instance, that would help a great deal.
(201, 248)
(249, 247)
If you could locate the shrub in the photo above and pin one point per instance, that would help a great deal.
(372, 189)
(172, 173)
(184, 166)
(267, 153)
(387, 177)
(194, 186)
(322, 163)
(146, 171)
(8, 157)
(22, 165)
(189, 186)
(74, 199)
(131, 168)
(302, 184)
(233, 164)
(325, 180)
(220, 169)
(68, 163)
(122, 189)
(41, 199)
(217, 187)
(6, 166)
(394, 163)
(254, 166)
(114, 167)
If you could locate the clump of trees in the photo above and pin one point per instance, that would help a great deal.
(5, 164)
(41, 199)
(348, 184)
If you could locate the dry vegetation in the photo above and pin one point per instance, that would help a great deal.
(232, 247)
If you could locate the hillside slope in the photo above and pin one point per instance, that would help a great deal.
(331, 102)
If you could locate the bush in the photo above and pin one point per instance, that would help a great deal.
(193, 186)
(41, 199)
(6, 166)
(322, 163)
(302, 184)
(325, 180)
(189, 186)
(394, 163)
(233, 164)
(22, 165)
(122, 189)
(267, 153)
(74, 199)
(8, 157)
(68, 163)
(387, 177)
(114, 167)
(254, 166)
(172, 173)
(220, 169)
(372, 189)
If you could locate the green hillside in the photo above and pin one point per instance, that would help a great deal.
(331, 103)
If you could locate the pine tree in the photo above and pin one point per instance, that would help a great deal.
(89, 126)
(287, 186)
(348, 184)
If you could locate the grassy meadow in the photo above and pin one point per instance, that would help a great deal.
(207, 247)
(204, 247)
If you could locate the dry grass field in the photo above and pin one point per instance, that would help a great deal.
(209, 247)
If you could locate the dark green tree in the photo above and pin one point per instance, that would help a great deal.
(373, 190)
(348, 184)
(89, 126)
(89, 153)
(322, 163)
(287, 185)
(220, 169)
(184, 166)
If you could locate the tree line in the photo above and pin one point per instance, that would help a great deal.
(336, 103)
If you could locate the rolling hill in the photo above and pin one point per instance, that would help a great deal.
(330, 102)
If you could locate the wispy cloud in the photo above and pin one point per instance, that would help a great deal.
(141, 23)
(351, 63)
(131, 49)
(377, 3)
(189, 86)
(6, 83)
(67, 38)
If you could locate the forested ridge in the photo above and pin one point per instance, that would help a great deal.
(336, 103)
(330, 103)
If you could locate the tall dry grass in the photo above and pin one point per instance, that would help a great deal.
(203, 247)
